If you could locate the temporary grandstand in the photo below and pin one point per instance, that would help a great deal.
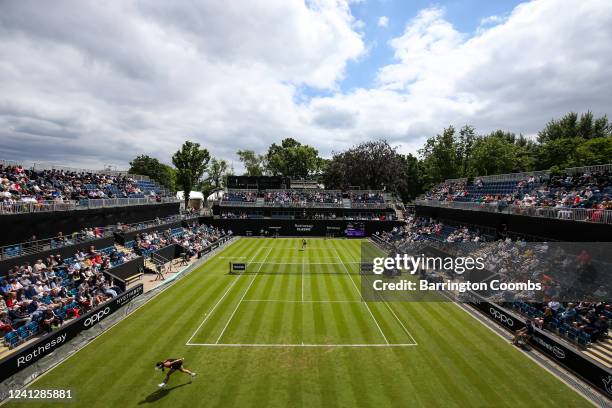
(43, 188)
(580, 194)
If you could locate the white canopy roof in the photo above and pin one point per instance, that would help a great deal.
(193, 195)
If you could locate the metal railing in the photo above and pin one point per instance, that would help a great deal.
(33, 247)
(242, 190)
(357, 204)
(49, 206)
(595, 215)
(34, 207)
(230, 203)
(302, 204)
(589, 169)
(137, 226)
(10, 163)
(301, 190)
(541, 173)
(514, 176)
(356, 191)
(46, 166)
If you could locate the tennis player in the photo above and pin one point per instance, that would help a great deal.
(304, 244)
(172, 364)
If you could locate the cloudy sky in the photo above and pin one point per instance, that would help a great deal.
(90, 83)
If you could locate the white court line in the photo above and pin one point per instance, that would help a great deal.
(207, 315)
(276, 262)
(245, 293)
(397, 318)
(294, 248)
(400, 322)
(357, 289)
(301, 301)
(302, 279)
(301, 345)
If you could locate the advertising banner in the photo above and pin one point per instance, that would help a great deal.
(597, 375)
(49, 343)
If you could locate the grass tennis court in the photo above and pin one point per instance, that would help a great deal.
(288, 294)
(292, 332)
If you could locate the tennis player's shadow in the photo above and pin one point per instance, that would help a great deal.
(161, 393)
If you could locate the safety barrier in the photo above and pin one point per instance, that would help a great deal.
(33, 247)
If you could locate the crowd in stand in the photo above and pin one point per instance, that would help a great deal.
(589, 190)
(562, 274)
(19, 185)
(367, 198)
(296, 197)
(194, 239)
(249, 196)
(39, 297)
(590, 320)
(329, 215)
(422, 229)
(235, 215)
(33, 244)
(146, 224)
(300, 198)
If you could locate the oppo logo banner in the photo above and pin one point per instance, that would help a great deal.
(508, 321)
(90, 321)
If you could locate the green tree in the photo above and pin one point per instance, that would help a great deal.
(414, 178)
(293, 159)
(254, 163)
(440, 157)
(191, 163)
(594, 151)
(465, 144)
(217, 173)
(560, 139)
(493, 155)
(154, 169)
(215, 181)
(370, 165)
(501, 152)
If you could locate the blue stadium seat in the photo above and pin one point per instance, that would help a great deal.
(12, 339)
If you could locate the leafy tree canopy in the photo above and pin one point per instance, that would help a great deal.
(255, 164)
(191, 162)
(293, 159)
(154, 169)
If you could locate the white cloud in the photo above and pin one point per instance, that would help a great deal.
(86, 84)
(545, 59)
(383, 21)
(144, 76)
(492, 20)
